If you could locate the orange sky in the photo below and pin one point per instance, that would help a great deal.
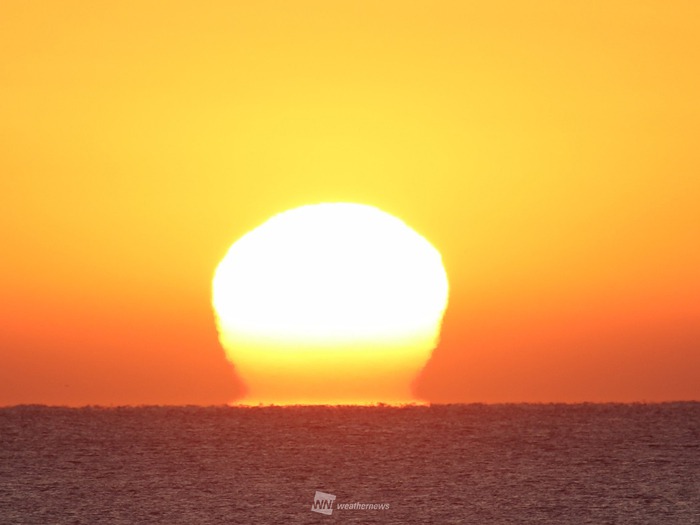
(547, 149)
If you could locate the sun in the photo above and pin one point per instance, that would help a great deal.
(330, 303)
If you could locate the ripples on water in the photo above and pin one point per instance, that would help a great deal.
(474, 464)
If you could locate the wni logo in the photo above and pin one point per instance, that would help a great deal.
(323, 503)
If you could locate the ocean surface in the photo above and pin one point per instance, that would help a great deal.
(472, 464)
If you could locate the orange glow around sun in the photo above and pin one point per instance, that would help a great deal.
(332, 303)
(548, 150)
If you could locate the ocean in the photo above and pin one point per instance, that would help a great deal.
(442, 464)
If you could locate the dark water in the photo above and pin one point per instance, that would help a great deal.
(475, 464)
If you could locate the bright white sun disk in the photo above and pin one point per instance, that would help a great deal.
(338, 278)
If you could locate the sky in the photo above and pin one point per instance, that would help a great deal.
(547, 149)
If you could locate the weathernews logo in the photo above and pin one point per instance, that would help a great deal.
(323, 504)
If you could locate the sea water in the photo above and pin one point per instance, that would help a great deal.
(472, 464)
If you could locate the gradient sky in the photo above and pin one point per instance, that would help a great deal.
(548, 149)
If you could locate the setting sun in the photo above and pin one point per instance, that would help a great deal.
(330, 303)
(388, 261)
